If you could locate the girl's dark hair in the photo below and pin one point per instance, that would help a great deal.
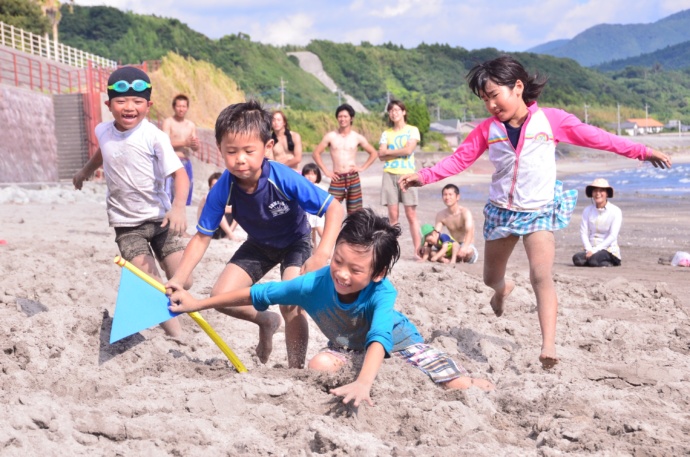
(288, 135)
(248, 118)
(214, 177)
(400, 105)
(505, 71)
(312, 167)
(365, 229)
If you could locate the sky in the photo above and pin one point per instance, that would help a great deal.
(472, 24)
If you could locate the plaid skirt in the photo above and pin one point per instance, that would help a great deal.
(501, 223)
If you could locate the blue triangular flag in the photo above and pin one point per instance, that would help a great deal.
(139, 306)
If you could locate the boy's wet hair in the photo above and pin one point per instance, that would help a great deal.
(345, 107)
(505, 71)
(451, 186)
(248, 118)
(365, 229)
(214, 177)
(312, 168)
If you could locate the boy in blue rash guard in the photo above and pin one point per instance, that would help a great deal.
(268, 201)
(352, 302)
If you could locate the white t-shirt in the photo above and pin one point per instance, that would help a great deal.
(313, 219)
(136, 163)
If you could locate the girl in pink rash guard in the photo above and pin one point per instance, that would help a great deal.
(525, 199)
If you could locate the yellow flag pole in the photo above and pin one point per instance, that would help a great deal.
(205, 326)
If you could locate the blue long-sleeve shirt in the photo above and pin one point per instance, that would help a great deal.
(356, 325)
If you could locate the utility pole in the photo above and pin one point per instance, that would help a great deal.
(388, 98)
(619, 118)
(282, 92)
(586, 118)
(438, 113)
(646, 119)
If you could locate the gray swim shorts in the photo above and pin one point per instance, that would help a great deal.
(142, 239)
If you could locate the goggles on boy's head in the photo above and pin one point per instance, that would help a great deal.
(137, 85)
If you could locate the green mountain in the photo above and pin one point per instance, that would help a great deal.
(606, 42)
(430, 74)
(256, 68)
(676, 57)
(437, 74)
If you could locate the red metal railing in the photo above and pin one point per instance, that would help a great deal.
(35, 74)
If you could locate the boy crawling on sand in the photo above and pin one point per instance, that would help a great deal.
(352, 302)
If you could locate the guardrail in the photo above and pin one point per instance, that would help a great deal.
(17, 38)
(32, 73)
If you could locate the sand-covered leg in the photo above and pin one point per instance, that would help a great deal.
(498, 299)
(268, 325)
(496, 255)
(541, 250)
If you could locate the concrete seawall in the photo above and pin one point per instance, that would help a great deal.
(28, 150)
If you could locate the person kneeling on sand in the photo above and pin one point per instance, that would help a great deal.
(437, 246)
(352, 302)
(459, 222)
(601, 222)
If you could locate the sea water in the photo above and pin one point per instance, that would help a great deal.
(644, 180)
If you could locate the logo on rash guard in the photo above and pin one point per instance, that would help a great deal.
(278, 208)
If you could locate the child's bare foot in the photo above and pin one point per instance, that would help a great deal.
(548, 358)
(498, 299)
(465, 382)
(266, 332)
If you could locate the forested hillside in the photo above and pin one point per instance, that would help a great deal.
(675, 57)
(605, 42)
(431, 75)
(131, 38)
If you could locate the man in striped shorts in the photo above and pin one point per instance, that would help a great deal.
(343, 144)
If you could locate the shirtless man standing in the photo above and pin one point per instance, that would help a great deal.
(287, 145)
(343, 144)
(458, 220)
(182, 133)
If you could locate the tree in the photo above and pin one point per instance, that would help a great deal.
(24, 14)
(418, 115)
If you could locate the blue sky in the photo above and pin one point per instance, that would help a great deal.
(507, 25)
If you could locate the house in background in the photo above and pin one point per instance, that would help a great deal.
(634, 127)
(648, 125)
(450, 129)
(672, 126)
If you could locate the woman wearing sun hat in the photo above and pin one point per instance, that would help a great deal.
(601, 222)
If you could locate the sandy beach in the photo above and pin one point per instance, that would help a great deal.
(622, 387)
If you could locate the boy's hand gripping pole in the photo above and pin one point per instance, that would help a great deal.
(205, 326)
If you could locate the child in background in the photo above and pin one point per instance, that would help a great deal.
(137, 157)
(437, 246)
(269, 201)
(312, 172)
(352, 303)
(525, 199)
(228, 224)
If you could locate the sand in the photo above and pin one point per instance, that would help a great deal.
(622, 387)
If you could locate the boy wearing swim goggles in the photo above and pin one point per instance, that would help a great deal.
(137, 157)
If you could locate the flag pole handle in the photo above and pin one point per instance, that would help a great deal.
(205, 326)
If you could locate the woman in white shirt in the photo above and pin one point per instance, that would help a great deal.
(601, 222)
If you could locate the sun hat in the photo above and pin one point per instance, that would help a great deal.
(426, 229)
(600, 183)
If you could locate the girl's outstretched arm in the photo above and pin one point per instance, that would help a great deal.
(182, 301)
(359, 390)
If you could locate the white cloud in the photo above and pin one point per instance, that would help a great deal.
(294, 29)
(398, 8)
